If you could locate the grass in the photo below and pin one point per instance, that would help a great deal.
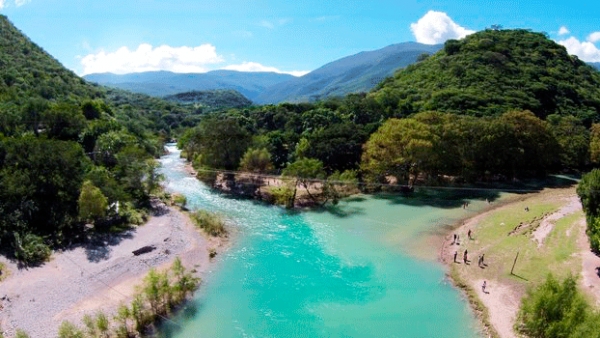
(212, 223)
(491, 237)
(4, 272)
(495, 236)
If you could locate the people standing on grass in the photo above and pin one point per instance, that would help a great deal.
(483, 286)
(469, 234)
(465, 257)
(455, 254)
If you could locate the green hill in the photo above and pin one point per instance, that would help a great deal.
(493, 71)
(69, 149)
(211, 100)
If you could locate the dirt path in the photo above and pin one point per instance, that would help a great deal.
(547, 223)
(502, 303)
(98, 276)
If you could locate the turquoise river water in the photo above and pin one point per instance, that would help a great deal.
(366, 268)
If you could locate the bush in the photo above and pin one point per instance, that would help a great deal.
(283, 195)
(69, 330)
(554, 309)
(211, 223)
(31, 249)
(133, 215)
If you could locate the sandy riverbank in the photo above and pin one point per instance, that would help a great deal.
(98, 276)
(502, 296)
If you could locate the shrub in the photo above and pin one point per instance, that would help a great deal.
(211, 223)
(31, 249)
(69, 330)
(554, 309)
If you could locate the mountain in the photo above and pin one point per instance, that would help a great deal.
(595, 65)
(211, 100)
(494, 71)
(357, 73)
(163, 83)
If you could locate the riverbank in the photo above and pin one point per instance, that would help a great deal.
(547, 232)
(99, 275)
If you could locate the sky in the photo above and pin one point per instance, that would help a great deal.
(286, 36)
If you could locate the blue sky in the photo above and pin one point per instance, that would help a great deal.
(285, 36)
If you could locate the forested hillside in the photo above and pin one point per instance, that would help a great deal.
(71, 152)
(211, 100)
(492, 71)
(496, 106)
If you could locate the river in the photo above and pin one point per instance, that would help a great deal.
(366, 268)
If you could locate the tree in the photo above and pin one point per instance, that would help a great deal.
(588, 190)
(92, 203)
(256, 160)
(399, 148)
(554, 309)
(595, 143)
(305, 171)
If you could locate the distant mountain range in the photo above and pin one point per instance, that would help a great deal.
(595, 65)
(357, 73)
(163, 83)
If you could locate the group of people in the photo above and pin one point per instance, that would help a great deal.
(481, 259)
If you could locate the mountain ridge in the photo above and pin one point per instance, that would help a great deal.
(355, 73)
(164, 83)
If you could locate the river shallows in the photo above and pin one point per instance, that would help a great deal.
(353, 272)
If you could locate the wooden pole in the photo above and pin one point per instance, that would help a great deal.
(515, 262)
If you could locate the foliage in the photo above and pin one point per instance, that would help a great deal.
(21, 334)
(69, 330)
(554, 309)
(589, 194)
(494, 71)
(92, 203)
(31, 249)
(256, 160)
(595, 143)
(155, 299)
(211, 223)
(283, 195)
(212, 100)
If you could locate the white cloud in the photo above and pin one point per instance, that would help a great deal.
(437, 27)
(21, 2)
(594, 37)
(563, 30)
(147, 58)
(257, 67)
(267, 24)
(2, 4)
(585, 50)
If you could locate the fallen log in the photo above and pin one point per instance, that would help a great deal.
(143, 250)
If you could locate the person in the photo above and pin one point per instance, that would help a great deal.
(454, 240)
(465, 257)
(455, 254)
(483, 286)
(469, 234)
(482, 258)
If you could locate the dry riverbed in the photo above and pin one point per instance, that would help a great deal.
(98, 276)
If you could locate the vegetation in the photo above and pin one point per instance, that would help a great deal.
(493, 71)
(211, 100)
(211, 223)
(589, 193)
(71, 152)
(156, 299)
(557, 309)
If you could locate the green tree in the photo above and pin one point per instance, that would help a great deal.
(256, 160)
(400, 148)
(92, 203)
(595, 143)
(305, 171)
(552, 310)
(69, 330)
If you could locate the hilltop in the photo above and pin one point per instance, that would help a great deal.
(352, 74)
(492, 71)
